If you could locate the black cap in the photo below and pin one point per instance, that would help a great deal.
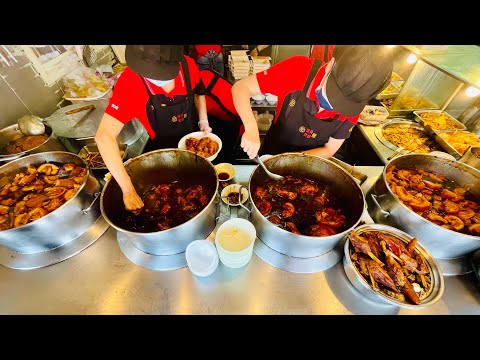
(158, 62)
(359, 74)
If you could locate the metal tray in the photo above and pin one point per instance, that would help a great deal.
(405, 112)
(429, 129)
(446, 145)
(93, 149)
(394, 123)
(381, 96)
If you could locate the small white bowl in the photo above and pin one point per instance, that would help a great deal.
(202, 257)
(225, 168)
(199, 135)
(258, 98)
(272, 99)
(233, 188)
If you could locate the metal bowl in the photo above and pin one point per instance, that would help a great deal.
(12, 133)
(359, 282)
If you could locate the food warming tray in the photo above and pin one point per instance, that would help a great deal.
(428, 128)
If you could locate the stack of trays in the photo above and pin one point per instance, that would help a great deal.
(240, 65)
(260, 63)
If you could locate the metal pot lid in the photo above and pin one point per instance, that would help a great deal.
(78, 125)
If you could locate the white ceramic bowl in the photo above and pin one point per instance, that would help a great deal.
(199, 135)
(225, 168)
(228, 257)
(258, 98)
(202, 257)
(272, 99)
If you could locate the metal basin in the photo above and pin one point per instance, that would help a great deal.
(61, 225)
(385, 208)
(319, 169)
(471, 157)
(155, 167)
(12, 133)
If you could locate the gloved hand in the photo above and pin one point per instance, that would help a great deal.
(204, 126)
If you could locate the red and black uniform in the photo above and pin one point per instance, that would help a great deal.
(167, 117)
(222, 115)
(298, 125)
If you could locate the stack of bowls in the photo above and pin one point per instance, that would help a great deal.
(202, 257)
(234, 240)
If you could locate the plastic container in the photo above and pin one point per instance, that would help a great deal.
(202, 257)
(233, 250)
(272, 99)
(258, 99)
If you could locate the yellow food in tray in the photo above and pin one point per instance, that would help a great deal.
(461, 140)
(411, 139)
(439, 121)
(390, 89)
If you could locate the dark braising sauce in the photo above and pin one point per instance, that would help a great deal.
(300, 205)
(167, 205)
(223, 176)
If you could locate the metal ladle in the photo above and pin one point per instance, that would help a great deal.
(269, 173)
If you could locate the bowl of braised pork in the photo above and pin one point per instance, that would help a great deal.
(309, 211)
(205, 145)
(389, 266)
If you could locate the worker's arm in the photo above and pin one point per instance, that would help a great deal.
(201, 106)
(106, 139)
(242, 90)
(327, 150)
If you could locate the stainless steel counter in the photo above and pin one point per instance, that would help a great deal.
(381, 150)
(101, 280)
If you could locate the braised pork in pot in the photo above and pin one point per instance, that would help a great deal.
(300, 205)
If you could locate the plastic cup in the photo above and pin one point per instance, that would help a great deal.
(202, 257)
(234, 240)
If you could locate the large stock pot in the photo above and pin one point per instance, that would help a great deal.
(385, 208)
(61, 225)
(163, 166)
(319, 169)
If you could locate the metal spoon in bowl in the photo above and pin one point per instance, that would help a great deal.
(269, 173)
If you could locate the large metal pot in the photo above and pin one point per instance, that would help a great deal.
(61, 225)
(155, 167)
(319, 169)
(77, 129)
(12, 133)
(385, 208)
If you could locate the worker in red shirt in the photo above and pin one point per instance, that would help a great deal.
(318, 106)
(209, 57)
(161, 87)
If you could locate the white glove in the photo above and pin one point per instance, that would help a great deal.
(203, 125)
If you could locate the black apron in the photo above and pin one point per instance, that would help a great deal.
(297, 128)
(171, 118)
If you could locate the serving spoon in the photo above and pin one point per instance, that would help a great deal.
(269, 173)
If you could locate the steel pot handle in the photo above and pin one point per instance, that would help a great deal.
(385, 213)
(85, 211)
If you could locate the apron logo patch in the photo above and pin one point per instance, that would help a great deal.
(307, 133)
(292, 103)
(174, 119)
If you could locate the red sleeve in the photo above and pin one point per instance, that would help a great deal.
(129, 98)
(286, 76)
(196, 83)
